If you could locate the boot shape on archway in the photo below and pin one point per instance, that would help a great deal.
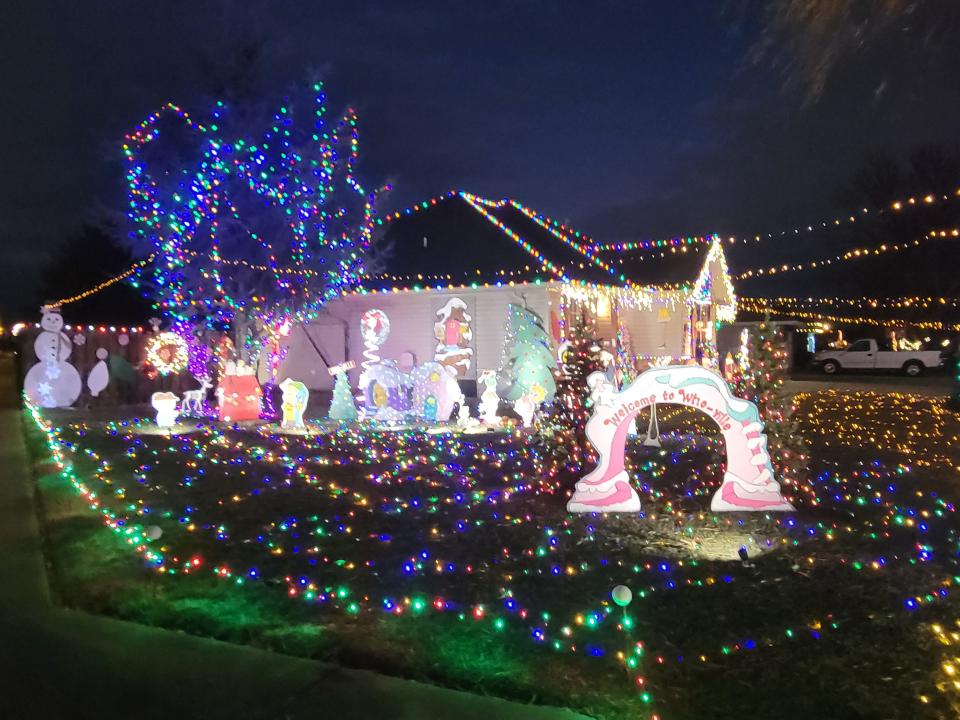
(748, 483)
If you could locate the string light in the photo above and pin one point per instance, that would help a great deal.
(133, 269)
(477, 204)
(758, 305)
(895, 206)
(855, 254)
(862, 303)
(448, 489)
(585, 251)
(295, 174)
(594, 249)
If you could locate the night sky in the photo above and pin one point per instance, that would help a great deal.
(629, 119)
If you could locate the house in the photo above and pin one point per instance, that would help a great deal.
(453, 266)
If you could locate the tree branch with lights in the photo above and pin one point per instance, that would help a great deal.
(254, 219)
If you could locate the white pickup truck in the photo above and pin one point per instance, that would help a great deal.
(865, 355)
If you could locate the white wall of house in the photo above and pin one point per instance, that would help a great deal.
(412, 316)
(658, 331)
(302, 361)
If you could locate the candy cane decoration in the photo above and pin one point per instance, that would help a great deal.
(374, 328)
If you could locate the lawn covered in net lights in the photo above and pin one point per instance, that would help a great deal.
(444, 556)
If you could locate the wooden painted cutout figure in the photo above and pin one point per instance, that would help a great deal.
(165, 403)
(99, 375)
(52, 382)
(489, 400)
(238, 394)
(453, 334)
(748, 483)
(295, 397)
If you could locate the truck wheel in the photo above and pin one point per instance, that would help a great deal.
(830, 367)
(912, 368)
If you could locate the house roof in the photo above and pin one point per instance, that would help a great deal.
(462, 239)
(674, 265)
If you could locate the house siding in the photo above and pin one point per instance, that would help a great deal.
(652, 336)
(412, 316)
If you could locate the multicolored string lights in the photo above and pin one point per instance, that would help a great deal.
(359, 521)
(268, 227)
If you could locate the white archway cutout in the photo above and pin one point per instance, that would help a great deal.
(748, 483)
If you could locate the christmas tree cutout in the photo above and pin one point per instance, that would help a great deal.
(528, 358)
(342, 406)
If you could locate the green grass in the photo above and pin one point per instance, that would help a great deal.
(874, 665)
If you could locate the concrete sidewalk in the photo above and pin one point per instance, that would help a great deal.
(57, 663)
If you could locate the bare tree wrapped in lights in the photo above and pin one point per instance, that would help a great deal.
(764, 385)
(562, 424)
(252, 220)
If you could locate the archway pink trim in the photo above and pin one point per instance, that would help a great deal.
(748, 483)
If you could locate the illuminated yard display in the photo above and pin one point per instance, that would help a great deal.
(166, 405)
(167, 352)
(375, 523)
(239, 394)
(466, 529)
(748, 483)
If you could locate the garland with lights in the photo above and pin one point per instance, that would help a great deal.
(168, 353)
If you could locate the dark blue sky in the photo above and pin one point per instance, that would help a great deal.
(627, 118)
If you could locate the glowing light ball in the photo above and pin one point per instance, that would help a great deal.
(621, 595)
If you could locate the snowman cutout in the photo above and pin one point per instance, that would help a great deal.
(52, 382)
